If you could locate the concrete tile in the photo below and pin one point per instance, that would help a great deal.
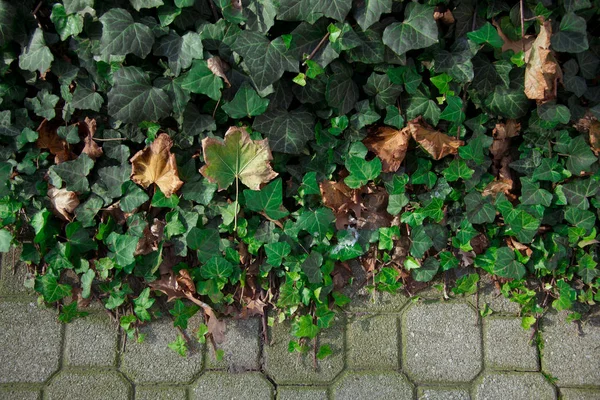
(241, 347)
(301, 393)
(372, 342)
(373, 386)
(507, 345)
(88, 385)
(91, 341)
(222, 385)
(579, 394)
(441, 393)
(161, 393)
(514, 386)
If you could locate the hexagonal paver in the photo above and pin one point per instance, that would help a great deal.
(514, 386)
(286, 368)
(373, 386)
(91, 341)
(160, 393)
(372, 342)
(431, 393)
(301, 393)
(579, 394)
(153, 362)
(241, 347)
(572, 358)
(13, 392)
(31, 340)
(12, 279)
(507, 345)
(88, 385)
(222, 385)
(441, 342)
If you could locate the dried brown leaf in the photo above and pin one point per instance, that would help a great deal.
(63, 202)
(436, 143)
(219, 67)
(156, 164)
(49, 139)
(389, 145)
(542, 71)
(446, 17)
(594, 132)
(88, 128)
(151, 237)
(520, 45)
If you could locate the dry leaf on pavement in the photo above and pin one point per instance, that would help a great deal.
(542, 71)
(156, 164)
(63, 202)
(436, 143)
(389, 145)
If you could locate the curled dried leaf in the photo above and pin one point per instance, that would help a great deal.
(156, 164)
(152, 236)
(341, 199)
(219, 67)
(594, 132)
(88, 128)
(524, 44)
(63, 202)
(502, 134)
(49, 139)
(390, 145)
(446, 17)
(436, 143)
(542, 71)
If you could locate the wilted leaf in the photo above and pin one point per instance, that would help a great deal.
(49, 139)
(542, 72)
(237, 157)
(219, 68)
(91, 148)
(436, 143)
(523, 44)
(156, 164)
(63, 202)
(389, 145)
(594, 134)
(502, 133)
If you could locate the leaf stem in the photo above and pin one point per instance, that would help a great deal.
(235, 208)
(312, 54)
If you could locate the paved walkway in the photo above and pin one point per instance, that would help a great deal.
(388, 347)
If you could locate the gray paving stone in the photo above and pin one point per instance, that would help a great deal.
(301, 393)
(286, 368)
(223, 385)
(514, 386)
(160, 393)
(372, 342)
(490, 295)
(153, 362)
(91, 341)
(241, 347)
(573, 359)
(31, 341)
(88, 385)
(373, 386)
(507, 345)
(579, 394)
(11, 280)
(435, 393)
(441, 342)
(11, 392)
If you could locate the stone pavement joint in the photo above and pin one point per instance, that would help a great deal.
(384, 347)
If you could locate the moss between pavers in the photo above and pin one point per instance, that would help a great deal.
(286, 368)
(372, 385)
(31, 342)
(507, 346)
(91, 341)
(222, 385)
(579, 394)
(442, 393)
(89, 385)
(513, 386)
(301, 393)
(160, 393)
(20, 392)
(372, 342)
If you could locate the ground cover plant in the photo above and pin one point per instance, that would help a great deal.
(230, 157)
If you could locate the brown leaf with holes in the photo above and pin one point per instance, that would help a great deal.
(523, 44)
(594, 132)
(502, 134)
(542, 71)
(63, 202)
(156, 164)
(219, 68)
(390, 145)
(151, 237)
(49, 139)
(436, 143)
(341, 199)
(88, 128)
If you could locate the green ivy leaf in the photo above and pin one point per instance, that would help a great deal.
(312, 267)
(74, 173)
(480, 210)
(572, 35)
(180, 50)
(6, 239)
(200, 79)
(66, 24)
(36, 56)
(316, 222)
(205, 241)
(288, 131)
(506, 266)
(486, 34)
(417, 31)
(361, 171)
(49, 287)
(121, 35)
(427, 270)
(420, 242)
(368, 12)
(268, 200)
(276, 252)
(304, 327)
(122, 248)
(246, 103)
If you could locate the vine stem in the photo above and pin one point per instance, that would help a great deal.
(522, 24)
(235, 211)
(312, 54)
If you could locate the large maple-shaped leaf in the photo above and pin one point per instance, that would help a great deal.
(156, 164)
(389, 145)
(237, 157)
(265, 60)
(436, 143)
(121, 35)
(36, 56)
(180, 50)
(417, 31)
(367, 12)
(133, 99)
(288, 132)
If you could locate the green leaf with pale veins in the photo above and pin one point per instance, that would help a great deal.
(427, 270)
(36, 56)
(506, 266)
(572, 34)
(420, 241)
(139, 4)
(74, 173)
(486, 34)
(246, 103)
(268, 200)
(180, 50)
(579, 156)
(417, 31)
(43, 104)
(458, 169)
(133, 99)
(85, 96)
(381, 87)
(49, 287)
(316, 222)
(312, 267)
(66, 24)
(121, 35)
(205, 241)
(133, 197)
(312, 10)
(368, 12)
(265, 60)
(7, 21)
(532, 194)
(122, 248)
(217, 268)
(200, 79)
(361, 171)
(276, 252)
(182, 313)
(480, 210)
(287, 131)
(508, 103)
